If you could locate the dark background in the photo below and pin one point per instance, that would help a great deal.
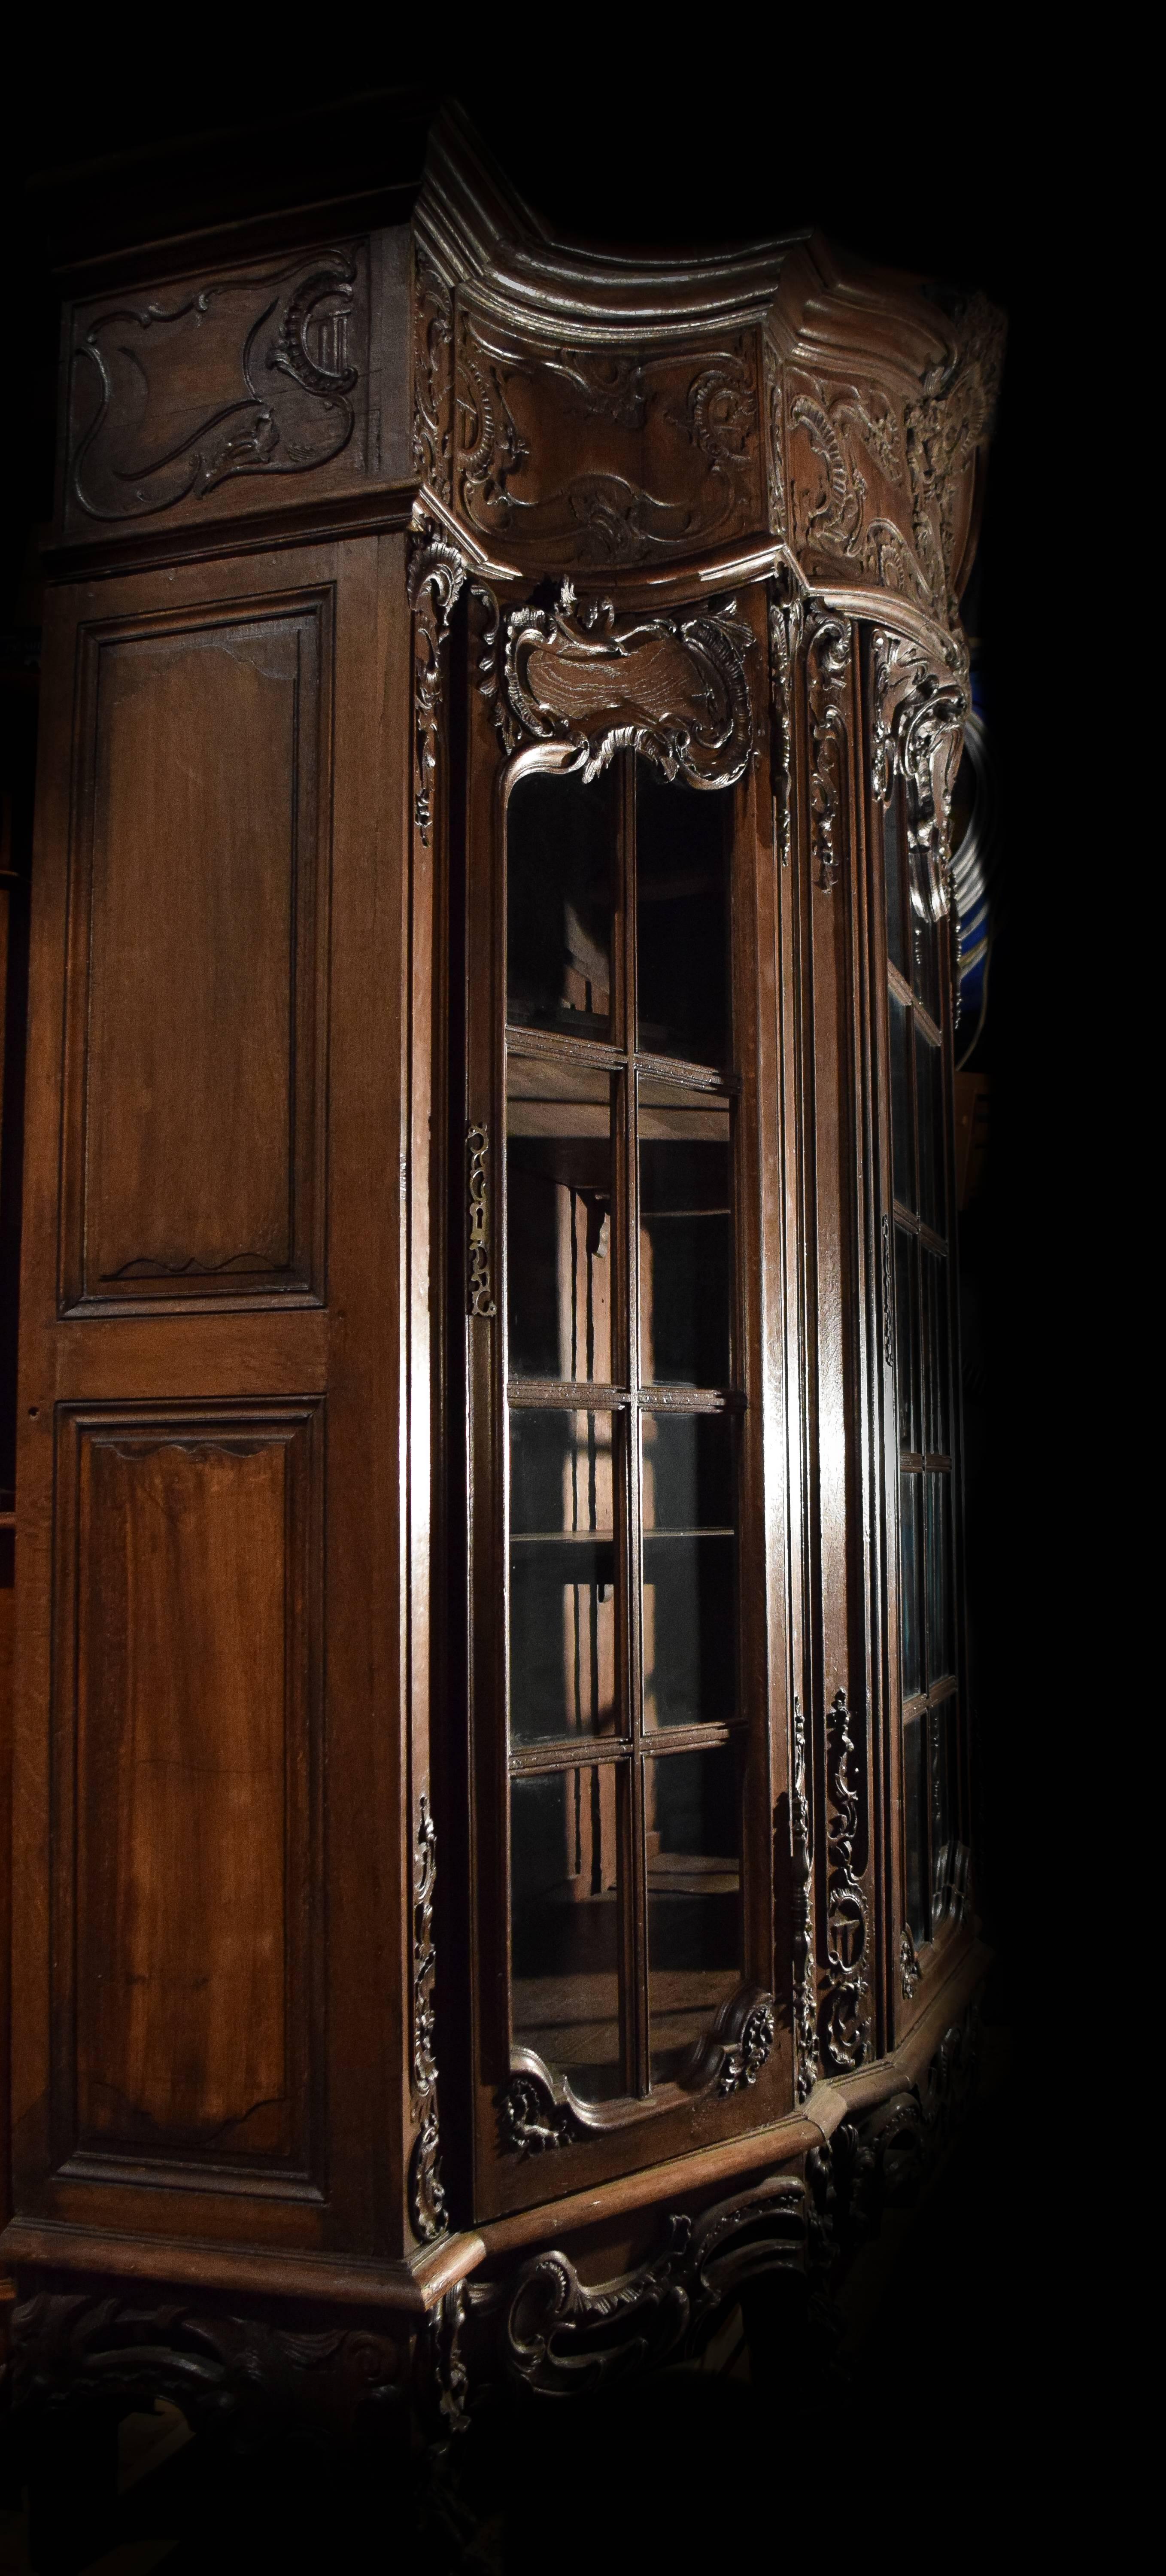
(967, 177)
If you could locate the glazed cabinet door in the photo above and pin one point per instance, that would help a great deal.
(208, 1769)
(623, 1306)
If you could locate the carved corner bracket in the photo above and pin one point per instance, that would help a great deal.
(920, 704)
(828, 671)
(427, 2208)
(673, 688)
(435, 577)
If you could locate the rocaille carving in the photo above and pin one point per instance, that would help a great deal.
(673, 688)
(561, 2337)
(479, 1293)
(909, 1968)
(805, 1996)
(775, 468)
(941, 432)
(846, 2021)
(828, 662)
(436, 574)
(427, 2207)
(532, 2123)
(785, 634)
(277, 373)
(920, 704)
(433, 415)
(226, 2372)
(702, 407)
(834, 522)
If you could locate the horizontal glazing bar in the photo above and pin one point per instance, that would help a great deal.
(581, 1396)
(580, 1752)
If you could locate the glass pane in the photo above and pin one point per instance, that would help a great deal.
(902, 1145)
(690, 1549)
(564, 1915)
(940, 1623)
(936, 1390)
(915, 1822)
(560, 896)
(895, 881)
(684, 1235)
(911, 1582)
(693, 1825)
(907, 1339)
(562, 1575)
(558, 1219)
(925, 942)
(682, 918)
(929, 1081)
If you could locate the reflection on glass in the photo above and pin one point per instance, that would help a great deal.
(894, 882)
(558, 1219)
(689, 1597)
(564, 1881)
(936, 1396)
(911, 1582)
(684, 1235)
(560, 872)
(929, 1086)
(940, 1623)
(692, 1815)
(902, 1150)
(562, 1575)
(907, 1339)
(915, 1822)
(682, 919)
(925, 938)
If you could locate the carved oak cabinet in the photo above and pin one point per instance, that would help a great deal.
(491, 1778)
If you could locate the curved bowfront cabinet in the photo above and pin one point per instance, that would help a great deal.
(492, 1743)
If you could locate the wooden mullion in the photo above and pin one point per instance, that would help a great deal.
(636, 1948)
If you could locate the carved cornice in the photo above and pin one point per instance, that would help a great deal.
(828, 672)
(435, 577)
(846, 2021)
(427, 2208)
(674, 689)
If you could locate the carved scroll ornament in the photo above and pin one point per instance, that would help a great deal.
(426, 2194)
(786, 616)
(919, 709)
(828, 665)
(847, 2021)
(436, 574)
(805, 1998)
(673, 688)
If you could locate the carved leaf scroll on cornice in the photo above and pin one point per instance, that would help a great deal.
(920, 702)
(436, 574)
(674, 689)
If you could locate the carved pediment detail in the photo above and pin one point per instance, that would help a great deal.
(673, 688)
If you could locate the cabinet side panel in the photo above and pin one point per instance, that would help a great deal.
(194, 1006)
(190, 1693)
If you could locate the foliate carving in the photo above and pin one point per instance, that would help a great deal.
(427, 2207)
(433, 412)
(846, 2019)
(942, 432)
(436, 574)
(277, 368)
(744, 2061)
(561, 2337)
(674, 689)
(834, 522)
(920, 703)
(532, 2122)
(909, 1968)
(774, 439)
(805, 2000)
(688, 421)
(479, 1294)
(888, 1295)
(785, 635)
(828, 665)
(226, 2372)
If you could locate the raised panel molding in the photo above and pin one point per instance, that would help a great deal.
(187, 1881)
(196, 1004)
